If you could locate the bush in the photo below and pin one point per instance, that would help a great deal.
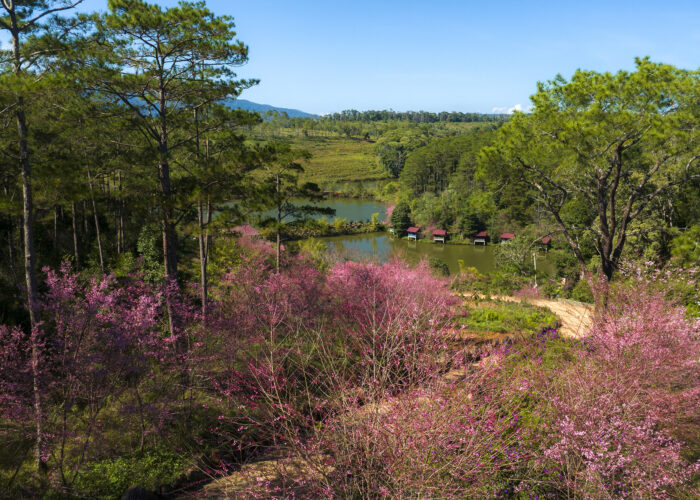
(582, 292)
(112, 477)
(504, 317)
(439, 266)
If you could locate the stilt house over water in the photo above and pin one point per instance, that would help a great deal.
(439, 235)
(480, 238)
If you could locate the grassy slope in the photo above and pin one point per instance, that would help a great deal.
(339, 159)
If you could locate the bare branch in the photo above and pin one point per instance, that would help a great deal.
(50, 11)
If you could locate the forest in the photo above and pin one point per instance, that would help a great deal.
(155, 345)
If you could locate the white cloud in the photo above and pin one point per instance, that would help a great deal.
(517, 107)
(507, 110)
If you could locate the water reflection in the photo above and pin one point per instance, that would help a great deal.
(379, 246)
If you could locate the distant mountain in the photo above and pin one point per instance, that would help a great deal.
(262, 108)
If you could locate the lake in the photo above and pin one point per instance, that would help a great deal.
(382, 247)
(347, 208)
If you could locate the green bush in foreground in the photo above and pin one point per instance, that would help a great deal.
(505, 317)
(112, 477)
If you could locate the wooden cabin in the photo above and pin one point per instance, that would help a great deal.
(439, 235)
(480, 238)
(413, 233)
(506, 237)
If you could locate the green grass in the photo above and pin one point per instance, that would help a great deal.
(508, 317)
(336, 159)
(340, 159)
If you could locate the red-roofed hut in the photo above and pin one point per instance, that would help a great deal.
(439, 235)
(481, 238)
(506, 237)
(413, 232)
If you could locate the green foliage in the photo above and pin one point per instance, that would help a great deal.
(515, 256)
(401, 218)
(469, 224)
(317, 250)
(627, 137)
(582, 292)
(112, 477)
(439, 266)
(500, 282)
(508, 317)
(225, 255)
(149, 248)
(685, 248)
(430, 167)
(375, 219)
(339, 223)
(393, 147)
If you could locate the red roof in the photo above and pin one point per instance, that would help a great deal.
(481, 234)
(413, 229)
(546, 240)
(439, 232)
(507, 236)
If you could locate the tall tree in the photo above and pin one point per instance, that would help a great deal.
(156, 63)
(22, 70)
(611, 142)
(218, 160)
(281, 193)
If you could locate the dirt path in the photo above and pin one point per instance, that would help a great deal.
(575, 317)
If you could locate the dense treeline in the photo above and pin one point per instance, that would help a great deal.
(352, 115)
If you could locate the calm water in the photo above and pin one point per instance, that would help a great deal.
(349, 209)
(381, 247)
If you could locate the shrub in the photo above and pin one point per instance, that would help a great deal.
(110, 478)
(616, 412)
(582, 292)
(439, 266)
(503, 317)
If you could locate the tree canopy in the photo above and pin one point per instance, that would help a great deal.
(609, 142)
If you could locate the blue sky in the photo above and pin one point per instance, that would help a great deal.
(468, 55)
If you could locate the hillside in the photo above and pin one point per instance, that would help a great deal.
(262, 108)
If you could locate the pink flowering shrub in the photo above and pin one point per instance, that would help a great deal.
(394, 317)
(97, 341)
(437, 441)
(296, 345)
(612, 417)
(339, 376)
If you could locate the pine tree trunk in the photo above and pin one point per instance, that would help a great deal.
(97, 222)
(120, 218)
(29, 256)
(55, 228)
(75, 238)
(202, 260)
